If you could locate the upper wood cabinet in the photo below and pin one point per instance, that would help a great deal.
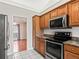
(62, 10)
(47, 18)
(37, 24)
(74, 0)
(74, 13)
(42, 22)
(54, 13)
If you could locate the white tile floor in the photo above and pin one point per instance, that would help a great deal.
(32, 54)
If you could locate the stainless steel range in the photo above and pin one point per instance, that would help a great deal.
(54, 45)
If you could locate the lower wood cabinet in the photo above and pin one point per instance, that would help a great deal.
(37, 44)
(40, 46)
(69, 55)
(71, 52)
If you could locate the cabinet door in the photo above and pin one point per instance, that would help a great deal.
(37, 24)
(42, 47)
(47, 18)
(69, 55)
(62, 10)
(37, 44)
(54, 13)
(42, 22)
(74, 13)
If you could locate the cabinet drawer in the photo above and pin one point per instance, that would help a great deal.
(71, 48)
(69, 55)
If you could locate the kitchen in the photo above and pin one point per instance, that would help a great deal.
(48, 26)
(52, 30)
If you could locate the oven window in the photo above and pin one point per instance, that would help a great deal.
(53, 49)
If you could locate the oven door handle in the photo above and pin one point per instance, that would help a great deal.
(55, 42)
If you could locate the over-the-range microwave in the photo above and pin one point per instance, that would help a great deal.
(59, 22)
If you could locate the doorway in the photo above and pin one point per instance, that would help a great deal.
(19, 34)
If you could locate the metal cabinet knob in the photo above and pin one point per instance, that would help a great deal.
(72, 49)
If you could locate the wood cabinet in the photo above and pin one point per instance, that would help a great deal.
(42, 22)
(71, 52)
(37, 24)
(37, 44)
(54, 13)
(47, 18)
(74, 13)
(74, 0)
(69, 55)
(72, 49)
(42, 46)
(62, 10)
(36, 29)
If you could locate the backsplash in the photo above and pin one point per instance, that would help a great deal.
(74, 30)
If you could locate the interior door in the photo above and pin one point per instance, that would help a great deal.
(2, 37)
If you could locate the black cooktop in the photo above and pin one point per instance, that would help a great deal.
(60, 37)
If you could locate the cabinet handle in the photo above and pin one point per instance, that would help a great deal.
(72, 49)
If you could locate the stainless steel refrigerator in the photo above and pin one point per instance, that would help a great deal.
(3, 36)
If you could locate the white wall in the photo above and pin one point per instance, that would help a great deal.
(75, 31)
(29, 32)
(16, 11)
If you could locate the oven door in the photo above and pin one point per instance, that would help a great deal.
(54, 50)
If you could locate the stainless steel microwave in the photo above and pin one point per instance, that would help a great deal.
(59, 22)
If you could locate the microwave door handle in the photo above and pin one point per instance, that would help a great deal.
(63, 23)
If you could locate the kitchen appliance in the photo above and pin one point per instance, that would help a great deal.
(54, 45)
(3, 36)
(59, 22)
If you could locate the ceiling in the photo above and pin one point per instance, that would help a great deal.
(34, 5)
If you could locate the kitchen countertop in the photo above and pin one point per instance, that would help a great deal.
(43, 36)
(74, 41)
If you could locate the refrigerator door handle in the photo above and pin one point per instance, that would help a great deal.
(7, 47)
